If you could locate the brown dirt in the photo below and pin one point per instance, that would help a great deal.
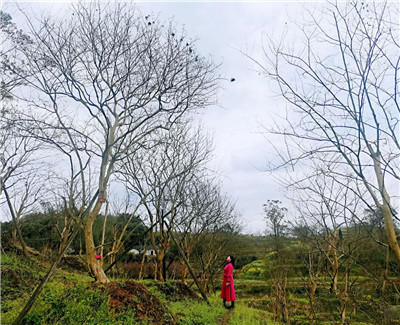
(16, 281)
(176, 290)
(133, 295)
(224, 320)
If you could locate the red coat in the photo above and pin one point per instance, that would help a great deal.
(228, 292)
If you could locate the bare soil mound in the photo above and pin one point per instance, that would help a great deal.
(133, 295)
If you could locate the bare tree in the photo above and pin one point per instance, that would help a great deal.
(330, 213)
(127, 210)
(111, 77)
(205, 209)
(19, 167)
(328, 210)
(25, 136)
(23, 195)
(276, 223)
(159, 175)
(220, 231)
(314, 268)
(341, 81)
(15, 149)
(75, 193)
(10, 62)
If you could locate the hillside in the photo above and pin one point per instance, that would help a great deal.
(71, 298)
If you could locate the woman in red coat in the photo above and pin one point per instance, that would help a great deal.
(228, 290)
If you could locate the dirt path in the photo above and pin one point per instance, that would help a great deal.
(225, 319)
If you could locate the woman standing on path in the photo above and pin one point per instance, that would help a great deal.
(228, 290)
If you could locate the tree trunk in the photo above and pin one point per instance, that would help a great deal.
(385, 207)
(164, 268)
(142, 264)
(188, 252)
(285, 304)
(65, 234)
(94, 264)
(103, 236)
(205, 285)
(14, 234)
(313, 281)
(277, 305)
(386, 272)
(184, 272)
(335, 262)
(343, 303)
(16, 224)
(335, 270)
(113, 253)
(189, 267)
(390, 230)
(159, 260)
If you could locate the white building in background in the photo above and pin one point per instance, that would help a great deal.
(138, 249)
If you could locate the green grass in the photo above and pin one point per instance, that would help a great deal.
(193, 312)
(189, 312)
(243, 315)
(69, 298)
(9, 260)
(18, 277)
(61, 304)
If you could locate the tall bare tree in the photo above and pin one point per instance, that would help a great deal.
(24, 193)
(276, 223)
(330, 215)
(341, 81)
(205, 209)
(111, 77)
(159, 174)
(19, 167)
(10, 62)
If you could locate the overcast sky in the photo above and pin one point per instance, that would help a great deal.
(224, 30)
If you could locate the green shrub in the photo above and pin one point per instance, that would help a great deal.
(252, 270)
(31, 320)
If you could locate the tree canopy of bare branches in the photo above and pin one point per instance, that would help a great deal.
(101, 81)
(160, 175)
(341, 82)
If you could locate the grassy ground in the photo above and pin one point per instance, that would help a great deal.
(71, 298)
(187, 312)
(259, 294)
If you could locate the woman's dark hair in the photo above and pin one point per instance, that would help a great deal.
(232, 260)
